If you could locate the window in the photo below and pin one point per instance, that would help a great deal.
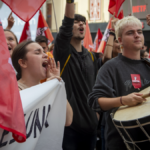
(95, 10)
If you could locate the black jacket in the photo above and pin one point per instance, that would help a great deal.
(79, 75)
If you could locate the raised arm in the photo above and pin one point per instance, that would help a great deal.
(62, 42)
(108, 49)
(110, 43)
(69, 9)
(10, 21)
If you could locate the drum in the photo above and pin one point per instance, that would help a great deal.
(133, 124)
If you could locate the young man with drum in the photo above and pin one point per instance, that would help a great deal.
(119, 76)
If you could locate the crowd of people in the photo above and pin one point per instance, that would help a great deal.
(95, 84)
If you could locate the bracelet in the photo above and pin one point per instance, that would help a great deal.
(121, 101)
(109, 45)
(70, 1)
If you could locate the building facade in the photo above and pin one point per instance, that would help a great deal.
(96, 12)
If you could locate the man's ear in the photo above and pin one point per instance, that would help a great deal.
(22, 63)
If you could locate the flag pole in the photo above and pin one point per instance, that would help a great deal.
(55, 16)
(131, 7)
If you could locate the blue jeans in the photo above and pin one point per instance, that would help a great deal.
(75, 141)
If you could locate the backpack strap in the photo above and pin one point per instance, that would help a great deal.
(68, 60)
(92, 56)
(65, 65)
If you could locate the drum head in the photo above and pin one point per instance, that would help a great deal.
(126, 113)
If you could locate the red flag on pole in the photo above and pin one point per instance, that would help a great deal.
(104, 39)
(97, 40)
(11, 111)
(87, 42)
(43, 29)
(114, 6)
(24, 9)
(26, 34)
(121, 15)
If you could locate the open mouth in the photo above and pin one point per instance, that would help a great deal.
(81, 30)
(45, 64)
(9, 48)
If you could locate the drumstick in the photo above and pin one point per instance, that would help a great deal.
(146, 95)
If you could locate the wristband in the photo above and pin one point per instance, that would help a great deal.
(112, 33)
(121, 101)
(70, 1)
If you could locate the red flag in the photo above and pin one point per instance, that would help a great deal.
(97, 40)
(104, 39)
(26, 34)
(121, 15)
(11, 111)
(87, 42)
(114, 6)
(43, 29)
(24, 9)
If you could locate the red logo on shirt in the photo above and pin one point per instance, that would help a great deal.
(136, 80)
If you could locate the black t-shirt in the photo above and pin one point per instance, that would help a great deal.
(114, 80)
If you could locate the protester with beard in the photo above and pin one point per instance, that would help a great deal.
(78, 70)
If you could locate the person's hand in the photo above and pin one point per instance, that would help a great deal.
(113, 21)
(10, 21)
(54, 77)
(133, 99)
(52, 69)
(148, 19)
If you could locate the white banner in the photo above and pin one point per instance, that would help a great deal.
(45, 114)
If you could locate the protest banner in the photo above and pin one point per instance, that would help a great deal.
(44, 108)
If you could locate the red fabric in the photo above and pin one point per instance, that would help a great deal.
(24, 9)
(26, 34)
(87, 42)
(11, 111)
(43, 29)
(121, 15)
(104, 39)
(114, 6)
(97, 40)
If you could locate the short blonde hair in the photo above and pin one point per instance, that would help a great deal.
(129, 20)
